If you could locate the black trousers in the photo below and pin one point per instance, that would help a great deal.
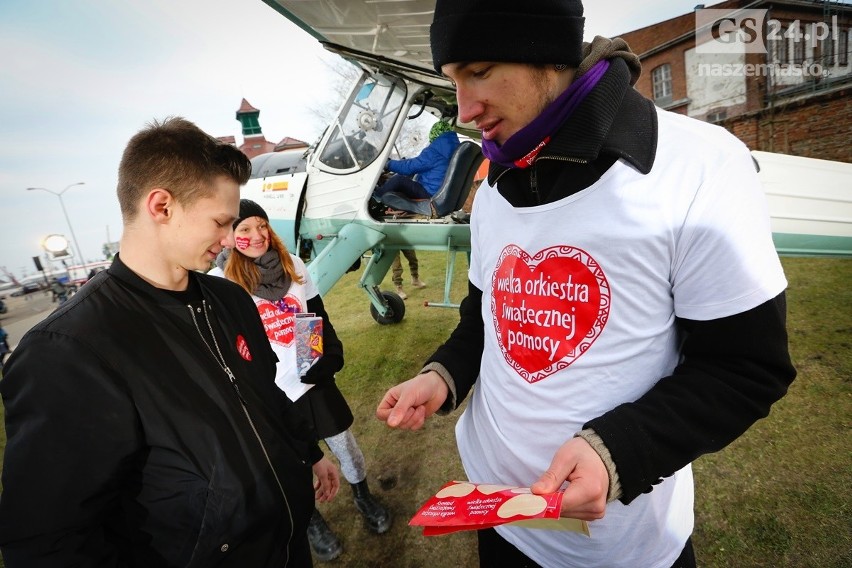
(497, 552)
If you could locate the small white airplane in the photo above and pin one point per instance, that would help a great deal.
(319, 201)
(810, 204)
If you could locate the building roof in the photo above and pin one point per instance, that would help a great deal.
(647, 41)
(245, 106)
(288, 143)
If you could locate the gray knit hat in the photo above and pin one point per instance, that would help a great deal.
(538, 31)
(249, 208)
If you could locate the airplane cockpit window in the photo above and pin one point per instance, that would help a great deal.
(365, 122)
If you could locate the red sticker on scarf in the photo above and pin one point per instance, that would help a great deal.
(529, 159)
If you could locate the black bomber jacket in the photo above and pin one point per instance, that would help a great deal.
(129, 445)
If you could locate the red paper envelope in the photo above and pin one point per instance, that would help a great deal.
(464, 506)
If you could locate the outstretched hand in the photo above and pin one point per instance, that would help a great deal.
(588, 480)
(409, 404)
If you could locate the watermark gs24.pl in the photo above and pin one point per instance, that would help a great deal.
(742, 31)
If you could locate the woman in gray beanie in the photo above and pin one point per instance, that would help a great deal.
(280, 286)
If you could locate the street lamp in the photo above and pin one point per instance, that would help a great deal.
(67, 220)
(56, 245)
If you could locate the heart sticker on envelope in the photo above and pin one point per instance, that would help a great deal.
(547, 308)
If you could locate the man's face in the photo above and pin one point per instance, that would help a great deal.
(501, 98)
(199, 230)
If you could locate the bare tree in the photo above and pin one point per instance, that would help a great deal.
(414, 135)
(325, 107)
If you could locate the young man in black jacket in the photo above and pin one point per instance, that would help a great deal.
(626, 308)
(144, 424)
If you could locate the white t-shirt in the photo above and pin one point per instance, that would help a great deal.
(579, 300)
(279, 321)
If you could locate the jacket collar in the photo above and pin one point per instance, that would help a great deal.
(613, 120)
(127, 276)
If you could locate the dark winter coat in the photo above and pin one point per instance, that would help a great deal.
(128, 444)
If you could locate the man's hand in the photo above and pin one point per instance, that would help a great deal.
(327, 480)
(588, 481)
(409, 404)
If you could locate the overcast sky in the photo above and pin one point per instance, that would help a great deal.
(79, 77)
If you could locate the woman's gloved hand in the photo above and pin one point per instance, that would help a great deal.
(323, 370)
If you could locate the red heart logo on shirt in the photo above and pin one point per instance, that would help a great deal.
(548, 309)
(279, 320)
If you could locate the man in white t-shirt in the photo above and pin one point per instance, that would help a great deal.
(626, 308)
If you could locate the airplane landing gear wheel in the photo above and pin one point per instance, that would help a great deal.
(396, 312)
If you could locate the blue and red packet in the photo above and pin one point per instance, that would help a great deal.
(308, 341)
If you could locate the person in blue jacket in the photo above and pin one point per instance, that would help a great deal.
(430, 166)
(4, 345)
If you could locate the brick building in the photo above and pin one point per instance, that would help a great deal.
(777, 74)
(254, 142)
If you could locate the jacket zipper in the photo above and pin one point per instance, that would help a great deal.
(565, 159)
(534, 175)
(534, 172)
(233, 380)
(534, 185)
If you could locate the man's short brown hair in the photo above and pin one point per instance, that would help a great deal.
(177, 156)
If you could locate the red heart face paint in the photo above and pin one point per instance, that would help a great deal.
(251, 237)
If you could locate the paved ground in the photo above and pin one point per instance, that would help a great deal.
(24, 312)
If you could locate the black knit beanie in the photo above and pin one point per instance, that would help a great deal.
(249, 208)
(536, 31)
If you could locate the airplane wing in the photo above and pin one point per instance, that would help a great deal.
(386, 35)
(392, 34)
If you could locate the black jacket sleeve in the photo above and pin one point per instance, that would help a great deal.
(332, 349)
(64, 461)
(732, 370)
(461, 354)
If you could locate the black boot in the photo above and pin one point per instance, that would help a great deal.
(324, 543)
(375, 514)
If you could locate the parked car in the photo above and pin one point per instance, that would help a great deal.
(27, 289)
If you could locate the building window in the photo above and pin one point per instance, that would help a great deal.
(662, 79)
(251, 125)
(778, 48)
(717, 115)
(798, 51)
(835, 50)
(826, 48)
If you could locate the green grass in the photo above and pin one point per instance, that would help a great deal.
(774, 498)
(777, 496)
